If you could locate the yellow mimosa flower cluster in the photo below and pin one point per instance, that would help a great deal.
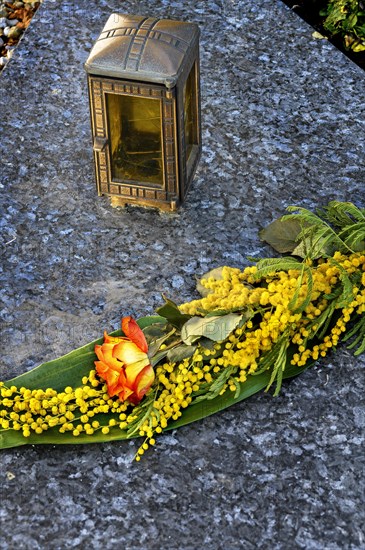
(274, 300)
(71, 410)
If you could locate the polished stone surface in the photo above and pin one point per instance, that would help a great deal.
(283, 123)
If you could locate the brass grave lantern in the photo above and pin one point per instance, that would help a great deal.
(143, 78)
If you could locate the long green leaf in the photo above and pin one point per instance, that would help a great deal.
(253, 385)
(69, 369)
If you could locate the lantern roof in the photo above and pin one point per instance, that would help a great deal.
(144, 49)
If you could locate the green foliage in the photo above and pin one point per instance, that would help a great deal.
(74, 365)
(358, 334)
(171, 312)
(338, 227)
(346, 18)
(282, 236)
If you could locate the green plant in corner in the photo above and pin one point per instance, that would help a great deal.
(347, 19)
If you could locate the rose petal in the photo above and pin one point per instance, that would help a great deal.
(134, 333)
(144, 381)
(133, 370)
(110, 376)
(98, 352)
(101, 368)
(125, 394)
(106, 354)
(128, 352)
(112, 339)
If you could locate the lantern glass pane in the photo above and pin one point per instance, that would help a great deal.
(190, 112)
(134, 129)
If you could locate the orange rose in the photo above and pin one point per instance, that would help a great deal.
(124, 363)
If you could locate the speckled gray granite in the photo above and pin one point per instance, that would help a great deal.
(283, 123)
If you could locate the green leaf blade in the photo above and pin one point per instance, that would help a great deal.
(282, 234)
(172, 314)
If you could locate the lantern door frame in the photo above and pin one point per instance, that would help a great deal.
(167, 195)
(188, 166)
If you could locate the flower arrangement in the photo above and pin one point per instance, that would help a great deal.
(249, 331)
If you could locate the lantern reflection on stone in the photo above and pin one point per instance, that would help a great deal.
(143, 77)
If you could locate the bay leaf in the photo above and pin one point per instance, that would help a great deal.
(282, 235)
(216, 328)
(171, 312)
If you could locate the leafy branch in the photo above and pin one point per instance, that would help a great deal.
(338, 227)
